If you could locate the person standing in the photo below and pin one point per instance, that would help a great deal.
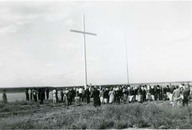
(186, 94)
(80, 94)
(27, 94)
(96, 99)
(101, 95)
(65, 96)
(38, 93)
(160, 93)
(165, 93)
(35, 95)
(115, 91)
(30, 94)
(54, 96)
(69, 97)
(87, 95)
(118, 95)
(4, 96)
(128, 93)
(105, 95)
(168, 93)
(172, 88)
(42, 95)
(143, 95)
(155, 92)
(125, 94)
(83, 94)
(139, 94)
(111, 96)
(73, 94)
(148, 94)
(131, 95)
(152, 93)
(176, 96)
(47, 93)
(57, 98)
(135, 89)
(66, 93)
(61, 95)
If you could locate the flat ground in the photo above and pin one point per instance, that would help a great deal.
(160, 114)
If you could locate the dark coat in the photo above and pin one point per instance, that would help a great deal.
(87, 95)
(4, 97)
(106, 94)
(131, 92)
(186, 93)
(96, 99)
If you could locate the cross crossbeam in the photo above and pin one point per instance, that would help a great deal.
(83, 32)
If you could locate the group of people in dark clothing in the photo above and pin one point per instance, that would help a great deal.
(35, 94)
(176, 94)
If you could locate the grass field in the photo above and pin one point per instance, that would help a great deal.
(25, 115)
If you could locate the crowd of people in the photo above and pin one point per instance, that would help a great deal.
(36, 94)
(177, 95)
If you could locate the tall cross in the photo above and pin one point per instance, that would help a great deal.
(127, 67)
(84, 39)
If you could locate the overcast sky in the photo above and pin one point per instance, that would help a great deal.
(37, 47)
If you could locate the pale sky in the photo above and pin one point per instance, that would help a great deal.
(38, 49)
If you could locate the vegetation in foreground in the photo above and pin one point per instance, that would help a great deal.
(29, 115)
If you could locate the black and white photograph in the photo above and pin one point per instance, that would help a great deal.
(106, 64)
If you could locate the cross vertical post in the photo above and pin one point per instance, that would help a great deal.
(126, 57)
(85, 55)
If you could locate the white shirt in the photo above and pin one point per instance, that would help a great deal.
(80, 90)
(54, 92)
